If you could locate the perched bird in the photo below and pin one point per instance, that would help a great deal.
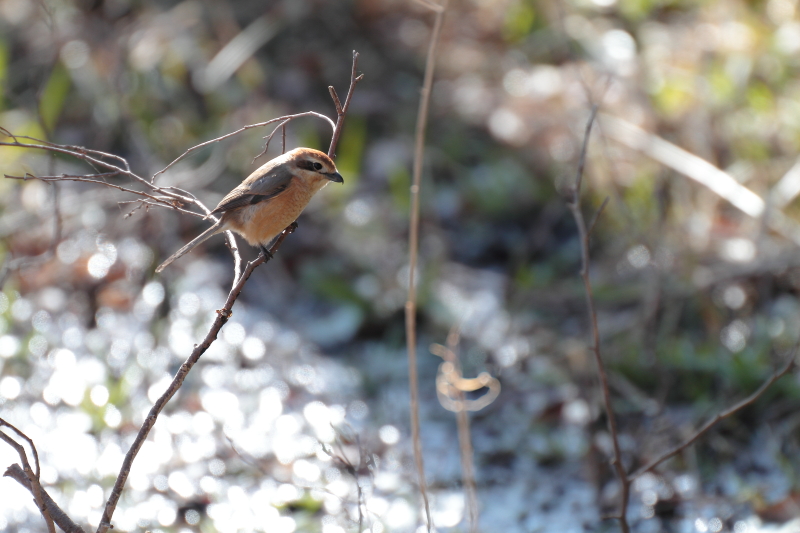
(269, 199)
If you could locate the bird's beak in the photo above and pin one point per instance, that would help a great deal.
(335, 177)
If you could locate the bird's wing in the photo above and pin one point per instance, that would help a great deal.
(264, 184)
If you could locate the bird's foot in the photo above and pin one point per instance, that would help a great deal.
(267, 254)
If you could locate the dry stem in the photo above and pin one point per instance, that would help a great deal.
(413, 249)
(584, 236)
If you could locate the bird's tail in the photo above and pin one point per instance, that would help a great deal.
(213, 230)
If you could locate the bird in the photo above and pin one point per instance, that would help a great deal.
(269, 199)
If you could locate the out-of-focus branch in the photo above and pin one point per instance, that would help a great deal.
(573, 201)
(413, 251)
(706, 174)
(19, 263)
(32, 477)
(365, 465)
(789, 364)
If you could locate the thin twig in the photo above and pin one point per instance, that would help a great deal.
(788, 365)
(33, 477)
(413, 250)
(269, 137)
(240, 130)
(83, 154)
(341, 110)
(584, 235)
(163, 202)
(596, 216)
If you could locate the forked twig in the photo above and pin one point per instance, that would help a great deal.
(61, 518)
(32, 477)
(413, 250)
(341, 110)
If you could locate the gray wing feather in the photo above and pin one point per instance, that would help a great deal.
(213, 230)
(264, 184)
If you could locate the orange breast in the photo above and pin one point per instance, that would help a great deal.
(260, 223)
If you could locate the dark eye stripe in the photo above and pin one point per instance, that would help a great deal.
(309, 165)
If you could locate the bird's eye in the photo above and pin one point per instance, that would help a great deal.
(317, 166)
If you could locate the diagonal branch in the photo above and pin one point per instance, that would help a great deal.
(222, 317)
(788, 365)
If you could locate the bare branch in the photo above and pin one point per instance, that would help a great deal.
(59, 517)
(222, 317)
(790, 363)
(169, 202)
(413, 251)
(335, 97)
(341, 110)
(33, 478)
(240, 130)
(583, 232)
(268, 138)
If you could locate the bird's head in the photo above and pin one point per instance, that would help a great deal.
(312, 165)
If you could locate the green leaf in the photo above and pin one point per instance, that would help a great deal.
(3, 70)
(53, 96)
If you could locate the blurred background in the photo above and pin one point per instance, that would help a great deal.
(695, 262)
